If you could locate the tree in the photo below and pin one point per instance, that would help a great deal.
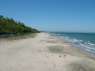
(10, 26)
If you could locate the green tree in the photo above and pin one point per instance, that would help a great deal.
(10, 26)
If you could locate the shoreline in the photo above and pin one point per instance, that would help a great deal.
(75, 48)
(43, 53)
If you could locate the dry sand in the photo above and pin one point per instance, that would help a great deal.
(43, 53)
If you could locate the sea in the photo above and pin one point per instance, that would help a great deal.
(85, 41)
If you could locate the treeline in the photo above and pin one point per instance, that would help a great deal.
(10, 26)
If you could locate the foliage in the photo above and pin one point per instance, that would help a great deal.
(10, 26)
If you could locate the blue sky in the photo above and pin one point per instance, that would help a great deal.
(52, 15)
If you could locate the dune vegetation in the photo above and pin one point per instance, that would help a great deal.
(10, 26)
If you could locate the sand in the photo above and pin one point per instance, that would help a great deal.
(43, 53)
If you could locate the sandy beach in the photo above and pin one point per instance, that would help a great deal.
(43, 53)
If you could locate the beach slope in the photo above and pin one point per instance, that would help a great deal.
(43, 53)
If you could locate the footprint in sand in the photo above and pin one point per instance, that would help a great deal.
(83, 65)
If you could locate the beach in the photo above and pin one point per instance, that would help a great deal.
(43, 53)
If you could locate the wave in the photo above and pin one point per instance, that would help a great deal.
(88, 46)
(85, 45)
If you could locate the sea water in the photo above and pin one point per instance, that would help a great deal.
(85, 41)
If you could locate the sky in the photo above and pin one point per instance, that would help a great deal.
(52, 15)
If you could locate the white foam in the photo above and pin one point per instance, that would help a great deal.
(86, 45)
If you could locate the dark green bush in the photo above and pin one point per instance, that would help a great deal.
(10, 26)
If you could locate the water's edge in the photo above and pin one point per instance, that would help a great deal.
(87, 47)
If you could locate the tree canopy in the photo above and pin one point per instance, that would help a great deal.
(10, 26)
